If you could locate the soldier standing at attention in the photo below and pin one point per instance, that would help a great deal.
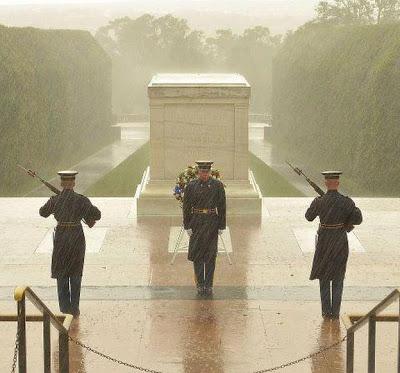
(69, 208)
(336, 214)
(204, 218)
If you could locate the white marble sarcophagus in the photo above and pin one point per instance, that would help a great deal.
(198, 116)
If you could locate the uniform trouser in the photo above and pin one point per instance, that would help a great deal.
(204, 272)
(69, 292)
(331, 305)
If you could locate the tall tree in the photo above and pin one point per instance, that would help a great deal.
(250, 54)
(358, 11)
(345, 11)
(147, 45)
(387, 10)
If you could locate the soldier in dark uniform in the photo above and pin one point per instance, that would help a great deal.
(69, 208)
(336, 214)
(204, 218)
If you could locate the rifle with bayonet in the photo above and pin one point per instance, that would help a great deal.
(55, 190)
(35, 175)
(309, 181)
(300, 172)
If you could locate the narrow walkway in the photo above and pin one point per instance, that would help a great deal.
(93, 168)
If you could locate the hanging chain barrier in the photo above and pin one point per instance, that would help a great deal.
(142, 369)
(310, 356)
(113, 359)
(285, 365)
(15, 357)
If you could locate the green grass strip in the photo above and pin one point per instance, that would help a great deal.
(271, 183)
(123, 179)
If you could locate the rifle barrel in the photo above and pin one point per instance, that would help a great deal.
(26, 170)
(295, 169)
(309, 181)
(52, 188)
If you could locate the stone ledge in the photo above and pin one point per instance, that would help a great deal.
(157, 199)
(199, 92)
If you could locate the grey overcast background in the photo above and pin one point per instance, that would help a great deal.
(207, 15)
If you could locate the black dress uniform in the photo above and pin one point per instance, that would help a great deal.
(336, 212)
(204, 211)
(69, 208)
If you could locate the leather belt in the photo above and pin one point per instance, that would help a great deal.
(68, 224)
(332, 226)
(204, 211)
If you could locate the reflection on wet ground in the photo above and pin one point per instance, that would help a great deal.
(203, 323)
(198, 336)
(77, 356)
(332, 359)
(139, 308)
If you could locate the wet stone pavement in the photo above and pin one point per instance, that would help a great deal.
(140, 309)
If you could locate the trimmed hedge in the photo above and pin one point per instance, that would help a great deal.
(55, 102)
(336, 103)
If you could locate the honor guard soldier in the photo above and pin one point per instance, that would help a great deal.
(204, 218)
(69, 208)
(337, 214)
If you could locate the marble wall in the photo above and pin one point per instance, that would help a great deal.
(188, 123)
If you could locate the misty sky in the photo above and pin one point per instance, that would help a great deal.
(207, 15)
(235, 3)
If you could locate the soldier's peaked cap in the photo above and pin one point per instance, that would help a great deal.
(68, 174)
(204, 165)
(331, 174)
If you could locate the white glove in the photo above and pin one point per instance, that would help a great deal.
(220, 231)
(189, 231)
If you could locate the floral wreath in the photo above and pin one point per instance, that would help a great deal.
(186, 176)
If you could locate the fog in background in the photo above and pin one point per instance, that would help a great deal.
(207, 15)
(331, 84)
(191, 39)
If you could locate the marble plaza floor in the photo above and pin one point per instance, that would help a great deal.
(138, 307)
